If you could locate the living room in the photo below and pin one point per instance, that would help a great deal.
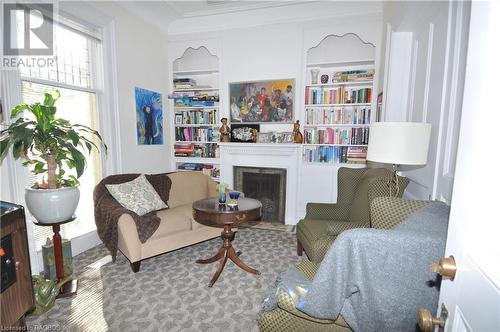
(330, 109)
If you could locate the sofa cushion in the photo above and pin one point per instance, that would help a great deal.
(137, 195)
(314, 237)
(187, 210)
(171, 222)
(187, 187)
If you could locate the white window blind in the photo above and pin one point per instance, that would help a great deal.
(75, 78)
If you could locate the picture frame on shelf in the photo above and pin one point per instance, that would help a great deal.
(178, 119)
(267, 101)
(243, 133)
(265, 137)
(286, 137)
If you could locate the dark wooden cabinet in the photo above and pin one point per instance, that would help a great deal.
(16, 296)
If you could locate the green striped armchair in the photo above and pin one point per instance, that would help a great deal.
(386, 213)
(323, 222)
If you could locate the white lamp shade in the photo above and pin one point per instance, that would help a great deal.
(399, 143)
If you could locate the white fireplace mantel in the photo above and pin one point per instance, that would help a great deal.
(286, 156)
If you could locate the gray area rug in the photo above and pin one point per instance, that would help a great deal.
(170, 292)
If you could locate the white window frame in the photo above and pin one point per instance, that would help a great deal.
(108, 120)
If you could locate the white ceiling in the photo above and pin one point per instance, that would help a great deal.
(161, 12)
(212, 7)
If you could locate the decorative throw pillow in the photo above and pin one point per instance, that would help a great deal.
(137, 195)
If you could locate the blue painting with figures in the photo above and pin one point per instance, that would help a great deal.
(149, 112)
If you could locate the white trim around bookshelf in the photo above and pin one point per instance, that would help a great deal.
(195, 89)
(188, 108)
(353, 83)
(197, 160)
(327, 144)
(196, 72)
(335, 125)
(197, 125)
(200, 142)
(336, 105)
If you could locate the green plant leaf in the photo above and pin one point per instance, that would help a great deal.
(19, 108)
(73, 135)
(72, 181)
(70, 163)
(49, 111)
(39, 168)
(51, 98)
(4, 146)
(79, 160)
(17, 149)
(89, 146)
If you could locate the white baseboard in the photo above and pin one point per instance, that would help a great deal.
(84, 242)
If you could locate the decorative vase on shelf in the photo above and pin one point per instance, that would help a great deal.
(314, 75)
(324, 79)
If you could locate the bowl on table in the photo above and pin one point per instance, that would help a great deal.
(233, 198)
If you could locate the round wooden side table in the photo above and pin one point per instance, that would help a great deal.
(210, 213)
(70, 287)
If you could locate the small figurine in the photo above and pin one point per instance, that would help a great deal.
(225, 131)
(297, 135)
(324, 79)
(254, 135)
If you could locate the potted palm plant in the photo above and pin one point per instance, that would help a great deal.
(53, 147)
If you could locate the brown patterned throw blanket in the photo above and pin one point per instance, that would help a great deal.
(107, 210)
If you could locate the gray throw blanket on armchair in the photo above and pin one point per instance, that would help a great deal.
(378, 279)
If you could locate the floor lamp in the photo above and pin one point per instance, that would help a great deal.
(398, 144)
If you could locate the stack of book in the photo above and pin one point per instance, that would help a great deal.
(335, 154)
(198, 150)
(356, 154)
(353, 75)
(199, 117)
(338, 115)
(340, 95)
(207, 169)
(196, 134)
(184, 83)
(195, 98)
(357, 136)
(184, 149)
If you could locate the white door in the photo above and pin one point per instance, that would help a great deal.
(473, 297)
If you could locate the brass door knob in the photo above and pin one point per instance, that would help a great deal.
(446, 267)
(426, 322)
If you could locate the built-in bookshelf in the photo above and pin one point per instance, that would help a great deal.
(338, 112)
(196, 113)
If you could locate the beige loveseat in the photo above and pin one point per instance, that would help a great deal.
(177, 227)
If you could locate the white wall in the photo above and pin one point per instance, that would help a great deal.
(141, 61)
(434, 38)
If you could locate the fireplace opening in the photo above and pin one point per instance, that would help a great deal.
(268, 185)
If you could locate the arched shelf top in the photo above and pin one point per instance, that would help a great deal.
(196, 60)
(346, 48)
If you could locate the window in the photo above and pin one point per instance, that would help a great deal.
(75, 77)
